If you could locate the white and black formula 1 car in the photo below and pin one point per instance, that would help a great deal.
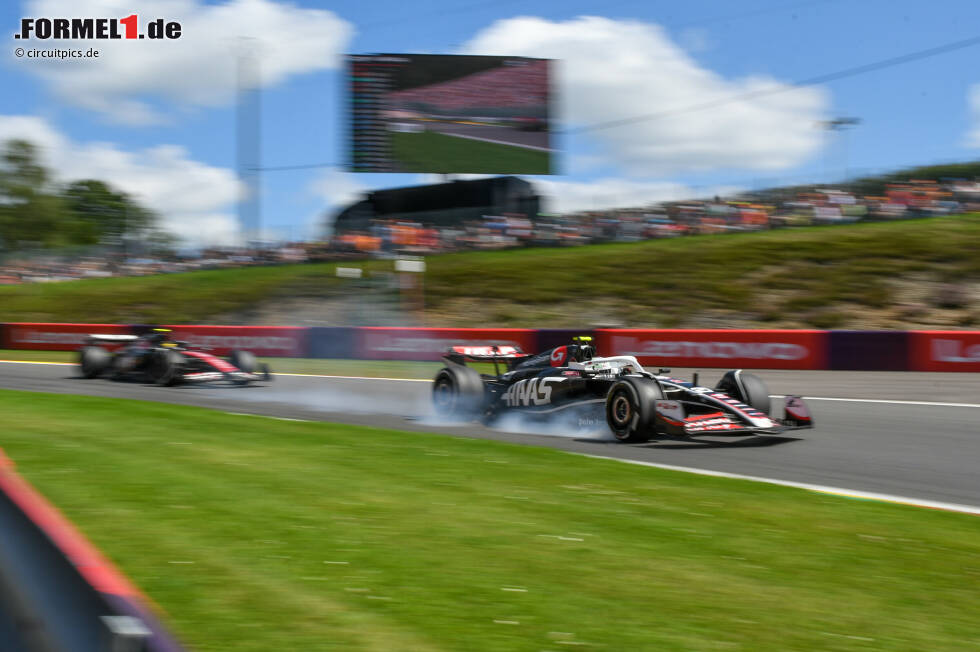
(636, 404)
(154, 357)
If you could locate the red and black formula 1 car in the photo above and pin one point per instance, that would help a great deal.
(155, 358)
(636, 404)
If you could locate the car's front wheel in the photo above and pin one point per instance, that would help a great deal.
(244, 360)
(631, 408)
(747, 388)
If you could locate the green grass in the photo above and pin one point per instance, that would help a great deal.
(260, 534)
(819, 276)
(435, 152)
(191, 297)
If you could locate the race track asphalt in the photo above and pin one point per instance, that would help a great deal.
(914, 435)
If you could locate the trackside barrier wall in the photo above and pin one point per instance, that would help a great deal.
(382, 343)
(760, 349)
(55, 337)
(945, 350)
(751, 349)
(272, 341)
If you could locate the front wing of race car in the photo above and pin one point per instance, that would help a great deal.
(219, 369)
(234, 376)
(796, 417)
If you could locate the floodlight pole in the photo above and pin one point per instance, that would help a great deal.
(248, 124)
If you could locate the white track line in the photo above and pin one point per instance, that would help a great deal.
(406, 380)
(879, 400)
(426, 380)
(835, 491)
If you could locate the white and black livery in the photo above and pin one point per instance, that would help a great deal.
(636, 404)
(155, 358)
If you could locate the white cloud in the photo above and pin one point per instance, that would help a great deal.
(599, 194)
(615, 69)
(973, 138)
(337, 188)
(194, 200)
(199, 68)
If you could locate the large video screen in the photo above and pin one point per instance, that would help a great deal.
(449, 114)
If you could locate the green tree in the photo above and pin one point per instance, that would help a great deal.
(108, 215)
(35, 213)
(30, 212)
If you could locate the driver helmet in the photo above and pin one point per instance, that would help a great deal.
(582, 351)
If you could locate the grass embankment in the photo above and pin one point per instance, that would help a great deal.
(191, 297)
(259, 534)
(909, 274)
(824, 277)
(435, 152)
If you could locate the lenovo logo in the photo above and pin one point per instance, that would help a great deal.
(719, 350)
(954, 351)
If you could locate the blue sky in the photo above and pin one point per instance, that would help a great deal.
(158, 119)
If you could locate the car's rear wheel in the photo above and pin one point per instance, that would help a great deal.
(458, 393)
(746, 387)
(93, 361)
(631, 407)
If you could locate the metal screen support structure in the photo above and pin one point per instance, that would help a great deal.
(248, 141)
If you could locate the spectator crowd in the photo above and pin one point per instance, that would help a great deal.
(767, 209)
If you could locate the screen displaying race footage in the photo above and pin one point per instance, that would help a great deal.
(449, 114)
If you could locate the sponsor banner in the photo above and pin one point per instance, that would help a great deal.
(381, 343)
(272, 341)
(332, 342)
(945, 350)
(750, 349)
(868, 350)
(54, 337)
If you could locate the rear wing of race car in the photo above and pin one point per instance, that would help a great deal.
(489, 353)
(104, 337)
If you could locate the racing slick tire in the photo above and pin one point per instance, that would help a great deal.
(631, 408)
(747, 388)
(458, 393)
(93, 360)
(244, 360)
(266, 374)
(165, 369)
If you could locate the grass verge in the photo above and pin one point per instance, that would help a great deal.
(257, 534)
(435, 152)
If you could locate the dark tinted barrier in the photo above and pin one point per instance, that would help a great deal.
(332, 342)
(869, 350)
(549, 338)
